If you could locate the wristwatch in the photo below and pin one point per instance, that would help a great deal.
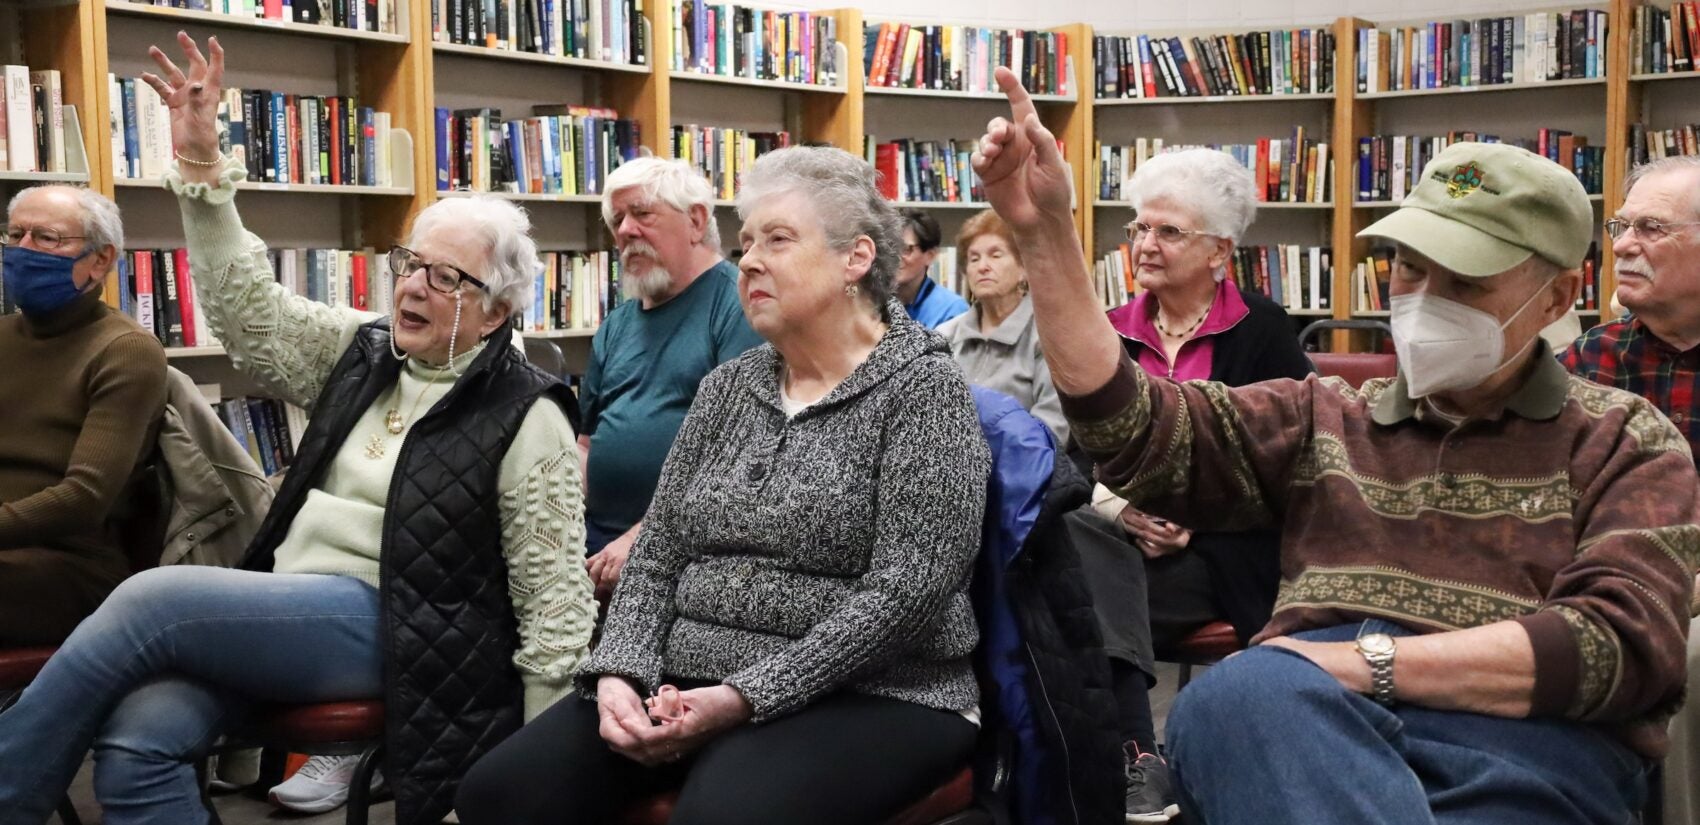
(1377, 649)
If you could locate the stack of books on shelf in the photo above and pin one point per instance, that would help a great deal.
(1278, 62)
(282, 138)
(362, 15)
(154, 287)
(269, 429)
(961, 58)
(737, 41)
(576, 290)
(1651, 144)
(1531, 48)
(1299, 278)
(931, 171)
(1295, 169)
(562, 150)
(1665, 40)
(944, 272)
(724, 154)
(1389, 165)
(614, 31)
(1372, 278)
(32, 120)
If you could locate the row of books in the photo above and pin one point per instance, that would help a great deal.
(1390, 166)
(1651, 144)
(738, 41)
(1277, 62)
(1295, 169)
(154, 288)
(609, 30)
(961, 58)
(1372, 281)
(1665, 40)
(561, 150)
(362, 15)
(281, 138)
(1532, 48)
(269, 429)
(1299, 278)
(32, 120)
(724, 154)
(932, 171)
(575, 290)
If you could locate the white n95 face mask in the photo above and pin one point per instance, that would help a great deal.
(1444, 345)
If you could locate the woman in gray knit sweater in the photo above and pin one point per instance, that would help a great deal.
(796, 608)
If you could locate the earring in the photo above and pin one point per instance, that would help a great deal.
(852, 290)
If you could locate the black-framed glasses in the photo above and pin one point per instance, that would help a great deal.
(44, 238)
(444, 278)
(1647, 228)
(1167, 234)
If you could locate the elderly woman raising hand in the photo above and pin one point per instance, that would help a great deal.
(802, 573)
(427, 547)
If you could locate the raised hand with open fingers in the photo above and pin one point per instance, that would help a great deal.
(1025, 178)
(192, 98)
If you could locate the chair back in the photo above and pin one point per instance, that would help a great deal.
(1355, 367)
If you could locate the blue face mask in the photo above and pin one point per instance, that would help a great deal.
(40, 282)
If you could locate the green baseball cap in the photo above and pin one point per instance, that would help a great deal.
(1483, 208)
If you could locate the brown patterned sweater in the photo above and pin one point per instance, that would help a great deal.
(1573, 513)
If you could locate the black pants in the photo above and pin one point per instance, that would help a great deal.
(45, 594)
(850, 759)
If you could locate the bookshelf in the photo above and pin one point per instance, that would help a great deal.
(410, 72)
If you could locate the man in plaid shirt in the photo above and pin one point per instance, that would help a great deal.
(1655, 353)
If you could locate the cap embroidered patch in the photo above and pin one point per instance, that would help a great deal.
(1465, 179)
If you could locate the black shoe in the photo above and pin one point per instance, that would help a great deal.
(1150, 789)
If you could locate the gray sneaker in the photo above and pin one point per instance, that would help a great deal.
(1150, 788)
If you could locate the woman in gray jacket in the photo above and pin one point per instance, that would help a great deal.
(797, 605)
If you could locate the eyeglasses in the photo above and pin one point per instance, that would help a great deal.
(440, 277)
(910, 249)
(1647, 228)
(44, 238)
(1168, 234)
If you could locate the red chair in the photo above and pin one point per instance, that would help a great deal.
(1206, 646)
(323, 729)
(1354, 367)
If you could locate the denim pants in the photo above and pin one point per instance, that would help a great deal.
(168, 662)
(1267, 737)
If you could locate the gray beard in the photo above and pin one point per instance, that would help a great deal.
(652, 284)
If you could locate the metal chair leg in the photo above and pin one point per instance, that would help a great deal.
(360, 785)
(68, 812)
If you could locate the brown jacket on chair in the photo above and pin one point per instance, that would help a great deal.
(214, 494)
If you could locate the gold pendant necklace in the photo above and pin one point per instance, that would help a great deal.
(394, 423)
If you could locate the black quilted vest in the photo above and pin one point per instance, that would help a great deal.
(451, 691)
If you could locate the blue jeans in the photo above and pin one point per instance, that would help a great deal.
(1268, 737)
(168, 662)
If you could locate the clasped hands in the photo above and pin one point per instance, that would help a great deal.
(668, 726)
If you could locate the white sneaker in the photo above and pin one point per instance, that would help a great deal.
(321, 785)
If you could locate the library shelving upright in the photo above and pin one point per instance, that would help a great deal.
(1657, 100)
(1219, 115)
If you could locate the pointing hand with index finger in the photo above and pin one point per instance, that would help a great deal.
(1025, 178)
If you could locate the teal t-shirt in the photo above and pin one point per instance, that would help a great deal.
(644, 369)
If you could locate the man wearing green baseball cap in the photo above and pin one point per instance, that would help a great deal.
(1483, 602)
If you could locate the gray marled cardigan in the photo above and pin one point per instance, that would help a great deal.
(793, 558)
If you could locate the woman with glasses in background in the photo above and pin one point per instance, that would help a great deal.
(426, 548)
(1189, 322)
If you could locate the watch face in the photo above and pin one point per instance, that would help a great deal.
(1376, 643)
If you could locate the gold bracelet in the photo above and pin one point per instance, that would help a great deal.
(217, 162)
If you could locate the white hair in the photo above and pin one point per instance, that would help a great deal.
(510, 253)
(102, 224)
(842, 189)
(672, 182)
(1218, 188)
(1676, 163)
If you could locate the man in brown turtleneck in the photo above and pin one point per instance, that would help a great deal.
(82, 388)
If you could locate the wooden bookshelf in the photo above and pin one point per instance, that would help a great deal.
(398, 73)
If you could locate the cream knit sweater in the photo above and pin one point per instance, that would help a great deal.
(289, 344)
